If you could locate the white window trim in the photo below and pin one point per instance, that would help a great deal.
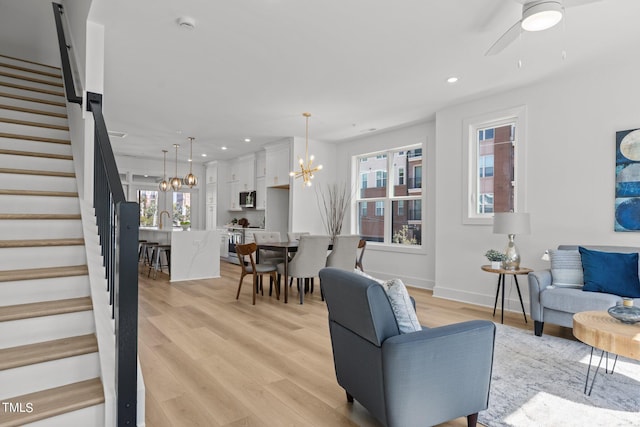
(470, 127)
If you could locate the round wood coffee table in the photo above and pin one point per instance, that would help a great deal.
(599, 330)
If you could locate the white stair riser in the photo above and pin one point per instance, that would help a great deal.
(35, 146)
(30, 65)
(34, 105)
(41, 257)
(19, 229)
(33, 131)
(42, 376)
(32, 117)
(46, 328)
(31, 93)
(35, 163)
(17, 181)
(29, 291)
(23, 82)
(91, 416)
(39, 204)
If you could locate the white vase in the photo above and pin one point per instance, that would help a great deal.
(496, 265)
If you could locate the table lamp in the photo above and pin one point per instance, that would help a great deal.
(511, 223)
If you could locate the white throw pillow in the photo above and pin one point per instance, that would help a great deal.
(566, 268)
(402, 306)
(363, 274)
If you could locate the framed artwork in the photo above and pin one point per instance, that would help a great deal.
(627, 203)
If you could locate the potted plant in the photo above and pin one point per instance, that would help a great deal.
(496, 258)
(185, 225)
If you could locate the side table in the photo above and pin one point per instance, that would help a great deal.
(502, 273)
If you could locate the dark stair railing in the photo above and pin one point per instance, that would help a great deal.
(118, 222)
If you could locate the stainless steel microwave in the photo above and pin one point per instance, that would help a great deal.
(247, 199)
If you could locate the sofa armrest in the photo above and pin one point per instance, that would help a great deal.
(439, 373)
(538, 281)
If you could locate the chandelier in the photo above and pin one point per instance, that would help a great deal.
(176, 182)
(306, 165)
(190, 179)
(164, 185)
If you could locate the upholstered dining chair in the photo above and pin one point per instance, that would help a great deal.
(310, 258)
(362, 245)
(266, 256)
(295, 235)
(420, 378)
(345, 250)
(248, 250)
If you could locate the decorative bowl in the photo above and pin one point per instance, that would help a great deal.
(624, 314)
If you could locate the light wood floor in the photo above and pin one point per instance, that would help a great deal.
(211, 360)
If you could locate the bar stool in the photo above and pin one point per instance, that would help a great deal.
(156, 256)
(147, 252)
(140, 246)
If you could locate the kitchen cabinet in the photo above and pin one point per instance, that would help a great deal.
(261, 165)
(232, 170)
(246, 169)
(234, 192)
(261, 193)
(278, 159)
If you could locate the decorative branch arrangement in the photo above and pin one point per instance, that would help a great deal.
(333, 203)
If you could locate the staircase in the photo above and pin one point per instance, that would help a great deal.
(49, 364)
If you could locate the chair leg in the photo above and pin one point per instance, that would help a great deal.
(349, 397)
(255, 288)
(472, 420)
(537, 328)
(239, 286)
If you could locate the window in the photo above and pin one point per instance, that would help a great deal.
(148, 201)
(381, 178)
(181, 207)
(391, 212)
(495, 171)
(363, 180)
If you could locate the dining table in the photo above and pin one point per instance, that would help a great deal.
(286, 248)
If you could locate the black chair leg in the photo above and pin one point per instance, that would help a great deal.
(537, 328)
(349, 397)
(472, 420)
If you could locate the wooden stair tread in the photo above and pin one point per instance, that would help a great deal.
(32, 243)
(38, 172)
(30, 70)
(41, 352)
(32, 89)
(32, 111)
(29, 99)
(28, 216)
(38, 193)
(36, 154)
(43, 273)
(30, 79)
(36, 124)
(31, 62)
(45, 308)
(55, 401)
(34, 138)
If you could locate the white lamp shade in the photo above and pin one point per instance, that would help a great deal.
(511, 223)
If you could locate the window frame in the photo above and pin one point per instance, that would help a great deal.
(470, 161)
(389, 197)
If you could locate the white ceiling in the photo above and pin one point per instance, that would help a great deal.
(251, 67)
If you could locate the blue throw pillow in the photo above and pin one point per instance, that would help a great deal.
(610, 272)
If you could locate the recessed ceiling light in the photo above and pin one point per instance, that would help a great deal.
(146, 176)
(204, 154)
(247, 140)
(187, 22)
(452, 79)
(223, 148)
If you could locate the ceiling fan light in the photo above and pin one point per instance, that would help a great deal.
(541, 15)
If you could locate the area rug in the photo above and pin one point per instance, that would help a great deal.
(539, 381)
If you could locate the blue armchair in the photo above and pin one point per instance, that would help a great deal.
(417, 379)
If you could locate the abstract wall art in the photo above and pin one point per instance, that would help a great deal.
(627, 203)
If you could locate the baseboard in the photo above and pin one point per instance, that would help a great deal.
(511, 301)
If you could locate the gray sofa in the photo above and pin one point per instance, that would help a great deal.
(558, 305)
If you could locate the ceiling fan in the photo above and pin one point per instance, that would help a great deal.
(537, 15)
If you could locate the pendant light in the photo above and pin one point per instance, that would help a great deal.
(164, 185)
(306, 170)
(176, 182)
(190, 179)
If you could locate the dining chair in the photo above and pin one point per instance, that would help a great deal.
(345, 250)
(267, 256)
(295, 235)
(310, 258)
(248, 250)
(362, 245)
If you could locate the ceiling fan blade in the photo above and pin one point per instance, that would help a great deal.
(505, 40)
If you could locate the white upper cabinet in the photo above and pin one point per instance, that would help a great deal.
(278, 159)
(261, 164)
(232, 170)
(246, 169)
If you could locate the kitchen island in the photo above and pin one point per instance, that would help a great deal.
(195, 254)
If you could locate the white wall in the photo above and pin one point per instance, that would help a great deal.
(414, 267)
(570, 156)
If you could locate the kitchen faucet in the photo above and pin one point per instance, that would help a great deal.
(168, 216)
